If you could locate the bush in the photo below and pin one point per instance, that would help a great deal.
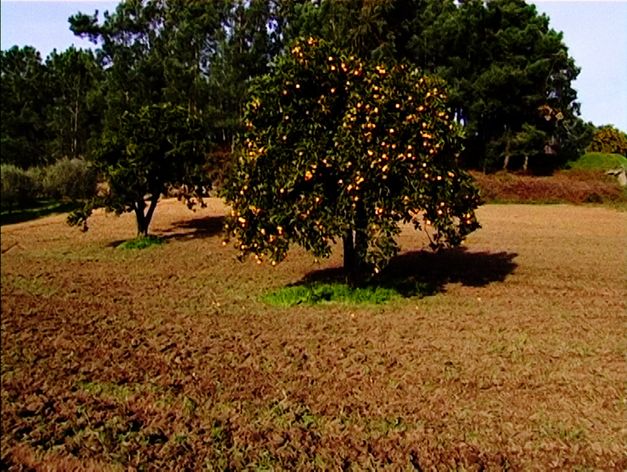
(18, 187)
(37, 176)
(70, 178)
(608, 139)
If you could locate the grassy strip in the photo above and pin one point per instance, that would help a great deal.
(313, 293)
(43, 208)
(319, 292)
(599, 161)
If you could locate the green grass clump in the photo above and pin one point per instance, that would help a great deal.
(142, 242)
(599, 161)
(311, 294)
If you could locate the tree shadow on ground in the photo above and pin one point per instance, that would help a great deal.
(203, 227)
(197, 228)
(423, 273)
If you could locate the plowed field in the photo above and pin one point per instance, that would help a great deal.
(166, 358)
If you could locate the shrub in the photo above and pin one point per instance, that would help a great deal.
(608, 139)
(18, 188)
(70, 178)
(37, 176)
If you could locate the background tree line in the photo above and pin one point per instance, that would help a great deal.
(164, 88)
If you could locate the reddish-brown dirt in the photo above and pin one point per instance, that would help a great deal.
(166, 358)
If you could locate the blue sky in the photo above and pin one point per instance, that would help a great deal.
(594, 31)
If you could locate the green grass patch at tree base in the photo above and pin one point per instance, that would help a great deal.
(142, 242)
(339, 292)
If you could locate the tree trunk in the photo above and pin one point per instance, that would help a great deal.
(142, 227)
(507, 155)
(349, 253)
(143, 219)
(75, 131)
(355, 248)
(506, 162)
(151, 209)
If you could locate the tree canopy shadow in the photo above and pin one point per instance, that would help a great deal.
(203, 227)
(423, 273)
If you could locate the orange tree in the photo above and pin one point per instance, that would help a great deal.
(338, 148)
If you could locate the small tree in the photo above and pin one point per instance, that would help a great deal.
(157, 147)
(339, 148)
(154, 133)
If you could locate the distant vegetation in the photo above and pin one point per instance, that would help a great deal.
(66, 180)
(153, 106)
(608, 139)
(572, 186)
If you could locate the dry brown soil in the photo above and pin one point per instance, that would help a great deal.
(166, 358)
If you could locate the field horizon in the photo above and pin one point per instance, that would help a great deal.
(168, 358)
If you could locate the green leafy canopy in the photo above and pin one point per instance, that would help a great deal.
(337, 147)
(154, 134)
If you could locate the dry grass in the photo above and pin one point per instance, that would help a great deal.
(573, 186)
(166, 359)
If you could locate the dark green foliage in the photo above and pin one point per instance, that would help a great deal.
(247, 40)
(157, 147)
(18, 187)
(24, 97)
(154, 132)
(49, 110)
(509, 74)
(510, 77)
(372, 30)
(341, 148)
(75, 111)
